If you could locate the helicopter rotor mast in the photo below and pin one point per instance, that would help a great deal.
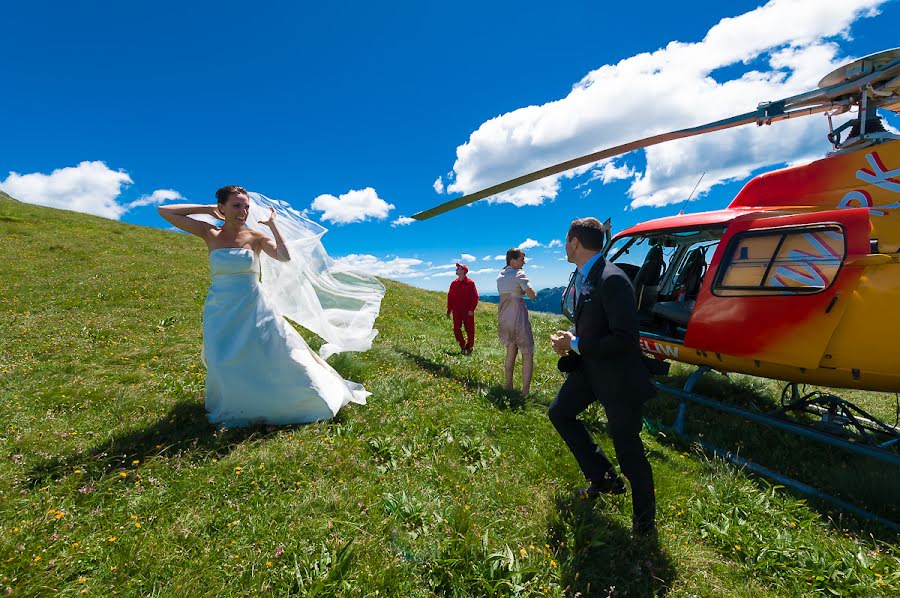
(852, 84)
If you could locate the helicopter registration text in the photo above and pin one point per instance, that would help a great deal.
(657, 348)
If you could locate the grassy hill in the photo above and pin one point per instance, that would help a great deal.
(112, 482)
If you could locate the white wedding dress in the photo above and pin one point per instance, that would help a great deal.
(259, 368)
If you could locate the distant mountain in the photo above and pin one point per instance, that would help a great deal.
(547, 300)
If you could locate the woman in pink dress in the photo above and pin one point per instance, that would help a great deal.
(513, 325)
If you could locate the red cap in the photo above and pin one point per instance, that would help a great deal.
(463, 266)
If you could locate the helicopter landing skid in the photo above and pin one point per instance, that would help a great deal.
(838, 417)
(884, 452)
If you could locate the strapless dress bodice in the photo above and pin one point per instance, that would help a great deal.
(233, 260)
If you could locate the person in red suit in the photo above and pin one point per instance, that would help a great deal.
(461, 301)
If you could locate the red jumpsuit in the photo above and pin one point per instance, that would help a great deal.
(462, 299)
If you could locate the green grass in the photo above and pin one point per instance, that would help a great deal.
(112, 482)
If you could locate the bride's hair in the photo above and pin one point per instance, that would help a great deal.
(225, 192)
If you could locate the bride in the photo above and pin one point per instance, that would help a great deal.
(259, 369)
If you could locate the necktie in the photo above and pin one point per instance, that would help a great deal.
(579, 281)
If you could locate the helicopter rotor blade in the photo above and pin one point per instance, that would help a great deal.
(824, 99)
(760, 116)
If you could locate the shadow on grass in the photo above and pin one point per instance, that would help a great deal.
(857, 479)
(183, 432)
(495, 394)
(598, 556)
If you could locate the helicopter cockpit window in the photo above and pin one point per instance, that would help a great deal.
(795, 261)
(620, 248)
(628, 253)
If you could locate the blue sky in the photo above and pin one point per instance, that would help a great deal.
(361, 112)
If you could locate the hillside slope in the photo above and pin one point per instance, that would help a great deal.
(112, 482)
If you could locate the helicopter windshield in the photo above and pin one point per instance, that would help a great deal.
(667, 269)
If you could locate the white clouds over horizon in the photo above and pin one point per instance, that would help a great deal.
(91, 187)
(781, 48)
(353, 206)
(156, 198)
(398, 267)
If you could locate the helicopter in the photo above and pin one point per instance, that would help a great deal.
(797, 279)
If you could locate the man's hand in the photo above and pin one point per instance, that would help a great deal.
(471, 313)
(562, 341)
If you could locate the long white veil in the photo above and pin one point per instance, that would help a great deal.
(337, 303)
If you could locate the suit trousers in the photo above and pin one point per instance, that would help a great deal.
(623, 415)
(461, 319)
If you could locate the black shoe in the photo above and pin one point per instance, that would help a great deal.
(608, 484)
(644, 529)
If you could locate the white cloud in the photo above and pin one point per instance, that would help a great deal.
(487, 257)
(402, 221)
(500, 258)
(451, 266)
(353, 206)
(555, 243)
(398, 267)
(782, 48)
(90, 187)
(468, 257)
(528, 244)
(438, 185)
(471, 272)
(608, 172)
(157, 197)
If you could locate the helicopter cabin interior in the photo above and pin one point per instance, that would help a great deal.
(668, 268)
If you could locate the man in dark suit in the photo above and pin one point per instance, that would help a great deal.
(604, 363)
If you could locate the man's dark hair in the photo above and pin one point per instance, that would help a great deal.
(513, 254)
(225, 192)
(589, 231)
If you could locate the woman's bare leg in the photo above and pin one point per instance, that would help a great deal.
(527, 368)
(509, 365)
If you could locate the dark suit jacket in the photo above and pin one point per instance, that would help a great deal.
(606, 324)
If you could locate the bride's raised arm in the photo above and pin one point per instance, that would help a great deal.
(276, 249)
(178, 215)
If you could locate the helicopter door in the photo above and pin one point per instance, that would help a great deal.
(777, 287)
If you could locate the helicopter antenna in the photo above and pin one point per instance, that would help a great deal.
(681, 211)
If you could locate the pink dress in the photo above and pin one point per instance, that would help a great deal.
(513, 325)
